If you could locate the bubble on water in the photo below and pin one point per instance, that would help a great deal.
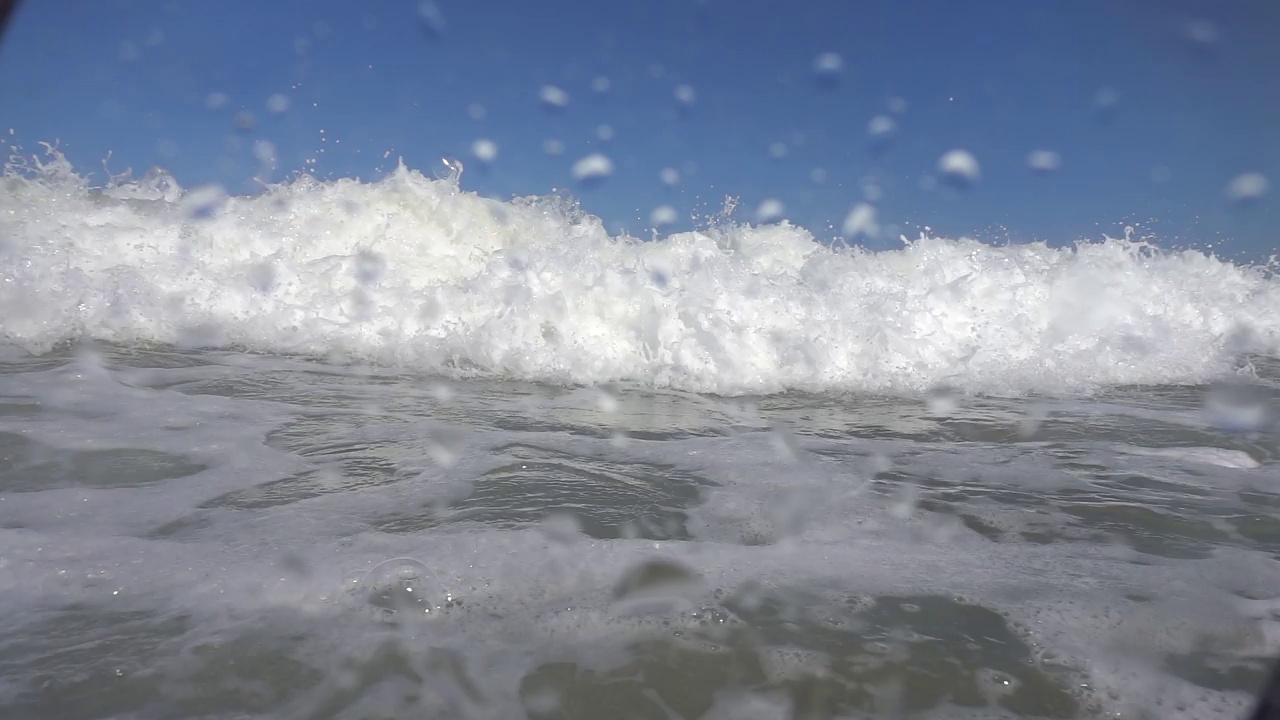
(861, 223)
(942, 400)
(402, 588)
(669, 176)
(216, 100)
(553, 98)
(778, 150)
(553, 147)
(485, 150)
(592, 169)
(959, 168)
(203, 201)
(477, 112)
(663, 216)
(604, 132)
(770, 210)
(600, 84)
(1043, 161)
(828, 68)
(431, 19)
(1237, 406)
(685, 95)
(657, 585)
(1248, 187)
(278, 104)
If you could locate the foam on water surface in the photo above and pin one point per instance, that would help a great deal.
(418, 272)
(301, 548)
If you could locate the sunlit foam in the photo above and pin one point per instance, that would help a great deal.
(534, 288)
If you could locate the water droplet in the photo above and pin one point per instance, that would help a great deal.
(1202, 32)
(828, 68)
(904, 505)
(278, 104)
(771, 210)
(942, 400)
(553, 98)
(244, 120)
(1043, 161)
(561, 527)
(600, 84)
(485, 150)
(216, 100)
(778, 150)
(685, 95)
(606, 401)
(432, 20)
(369, 267)
(402, 587)
(959, 168)
(817, 176)
(663, 216)
(262, 277)
(897, 105)
(657, 585)
(477, 112)
(592, 169)
(604, 132)
(203, 201)
(1249, 187)
(881, 129)
(669, 176)
(861, 223)
(553, 147)
(1236, 406)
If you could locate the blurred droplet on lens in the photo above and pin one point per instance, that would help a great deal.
(553, 147)
(201, 202)
(663, 216)
(553, 98)
(861, 223)
(431, 19)
(669, 176)
(769, 211)
(942, 400)
(1043, 162)
(278, 104)
(485, 150)
(1248, 187)
(1237, 407)
(216, 100)
(959, 168)
(656, 586)
(592, 169)
(828, 69)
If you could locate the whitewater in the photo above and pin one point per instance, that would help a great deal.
(416, 272)
(353, 449)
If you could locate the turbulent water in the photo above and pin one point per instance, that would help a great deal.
(358, 450)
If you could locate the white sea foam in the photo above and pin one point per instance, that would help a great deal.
(417, 271)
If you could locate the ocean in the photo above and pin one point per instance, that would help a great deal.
(391, 449)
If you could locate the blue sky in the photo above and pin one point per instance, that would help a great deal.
(1154, 106)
